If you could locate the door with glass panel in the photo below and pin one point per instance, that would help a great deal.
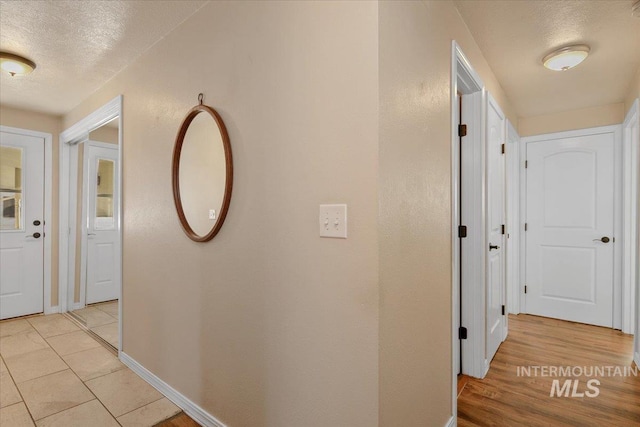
(21, 224)
(102, 223)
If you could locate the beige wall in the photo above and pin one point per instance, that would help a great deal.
(415, 206)
(634, 92)
(583, 118)
(267, 324)
(49, 124)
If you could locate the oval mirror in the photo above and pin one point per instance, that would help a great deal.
(202, 173)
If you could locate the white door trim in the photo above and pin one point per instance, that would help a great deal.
(48, 189)
(616, 130)
(79, 132)
(631, 130)
(466, 80)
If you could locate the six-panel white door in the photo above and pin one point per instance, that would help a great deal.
(570, 217)
(102, 224)
(21, 224)
(495, 222)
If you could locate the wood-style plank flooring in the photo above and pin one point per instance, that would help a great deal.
(503, 398)
(180, 420)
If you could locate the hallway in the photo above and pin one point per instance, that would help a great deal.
(503, 398)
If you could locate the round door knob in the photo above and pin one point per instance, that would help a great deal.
(36, 235)
(604, 239)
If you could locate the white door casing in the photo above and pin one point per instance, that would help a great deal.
(22, 232)
(570, 204)
(468, 208)
(101, 221)
(630, 165)
(495, 299)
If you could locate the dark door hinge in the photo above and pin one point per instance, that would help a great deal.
(526, 164)
(462, 231)
(502, 228)
(525, 289)
(462, 130)
(526, 226)
(502, 149)
(462, 333)
(503, 311)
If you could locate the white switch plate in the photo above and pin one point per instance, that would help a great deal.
(333, 221)
(212, 214)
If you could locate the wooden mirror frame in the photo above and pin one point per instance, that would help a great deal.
(175, 172)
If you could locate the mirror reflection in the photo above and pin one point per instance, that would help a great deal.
(202, 174)
(94, 181)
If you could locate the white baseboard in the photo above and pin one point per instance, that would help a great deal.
(194, 411)
(453, 422)
(52, 310)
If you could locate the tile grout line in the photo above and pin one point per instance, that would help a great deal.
(163, 397)
(74, 373)
(84, 383)
(24, 402)
(17, 389)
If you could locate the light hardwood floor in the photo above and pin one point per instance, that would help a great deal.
(503, 398)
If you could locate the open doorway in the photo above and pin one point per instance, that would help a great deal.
(468, 227)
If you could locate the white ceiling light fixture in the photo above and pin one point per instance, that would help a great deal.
(15, 65)
(567, 57)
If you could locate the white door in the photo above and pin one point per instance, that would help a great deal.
(102, 223)
(495, 229)
(22, 225)
(570, 224)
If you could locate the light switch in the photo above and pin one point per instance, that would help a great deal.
(212, 214)
(333, 221)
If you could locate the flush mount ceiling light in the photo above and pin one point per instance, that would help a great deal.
(566, 58)
(15, 65)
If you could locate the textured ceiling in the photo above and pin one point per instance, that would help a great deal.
(515, 35)
(78, 45)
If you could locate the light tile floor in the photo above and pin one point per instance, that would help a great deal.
(101, 319)
(54, 374)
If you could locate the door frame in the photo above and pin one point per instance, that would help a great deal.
(47, 307)
(79, 132)
(630, 149)
(618, 254)
(465, 79)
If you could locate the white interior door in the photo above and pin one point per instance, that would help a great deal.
(570, 225)
(496, 331)
(102, 223)
(22, 225)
